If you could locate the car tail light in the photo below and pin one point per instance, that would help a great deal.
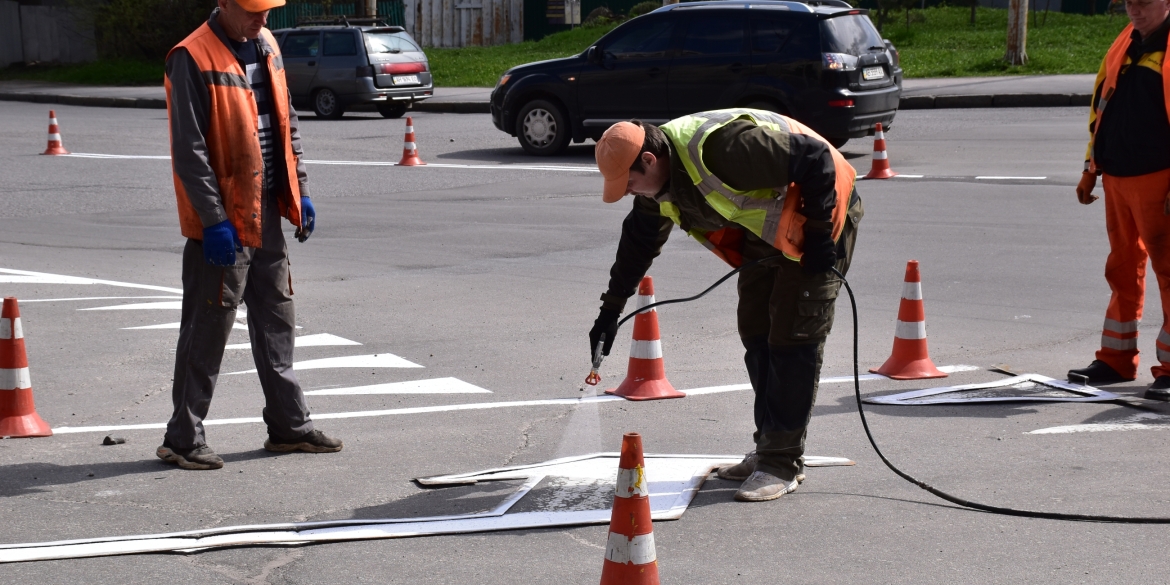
(401, 68)
(839, 61)
(840, 103)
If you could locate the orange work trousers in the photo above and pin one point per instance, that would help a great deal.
(1138, 229)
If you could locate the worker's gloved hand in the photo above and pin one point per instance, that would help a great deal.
(820, 251)
(606, 323)
(308, 219)
(1085, 188)
(220, 244)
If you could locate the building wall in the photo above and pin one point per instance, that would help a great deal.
(44, 32)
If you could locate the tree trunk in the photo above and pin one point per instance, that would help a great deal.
(371, 8)
(973, 6)
(1017, 36)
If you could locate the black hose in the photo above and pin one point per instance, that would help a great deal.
(869, 435)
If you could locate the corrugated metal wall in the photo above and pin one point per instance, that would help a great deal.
(464, 23)
(286, 16)
(49, 33)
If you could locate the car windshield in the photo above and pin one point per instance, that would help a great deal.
(852, 34)
(388, 42)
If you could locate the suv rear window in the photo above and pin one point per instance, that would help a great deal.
(389, 42)
(339, 44)
(852, 34)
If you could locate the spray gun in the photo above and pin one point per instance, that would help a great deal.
(593, 378)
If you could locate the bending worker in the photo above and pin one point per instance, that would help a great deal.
(747, 184)
(236, 155)
(1129, 143)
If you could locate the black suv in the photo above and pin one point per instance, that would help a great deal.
(821, 62)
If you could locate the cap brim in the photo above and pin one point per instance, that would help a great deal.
(259, 5)
(615, 188)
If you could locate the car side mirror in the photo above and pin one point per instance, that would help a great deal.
(593, 55)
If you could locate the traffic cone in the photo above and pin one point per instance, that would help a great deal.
(646, 376)
(54, 136)
(881, 165)
(410, 149)
(18, 415)
(629, 553)
(910, 359)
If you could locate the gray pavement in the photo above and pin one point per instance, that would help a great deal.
(491, 275)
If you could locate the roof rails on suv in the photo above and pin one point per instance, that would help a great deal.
(346, 22)
(801, 5)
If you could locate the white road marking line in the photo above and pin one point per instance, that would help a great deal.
(901, 176)
(503, 167)
(170, 305)
(176, 326)
(432, 386)
(377, 360)
(1146, 421)
(23, 301)
(316, 340)
(116, 156)
(989, 178)
(470, 406)
(12, 276)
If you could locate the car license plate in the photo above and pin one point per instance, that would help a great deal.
(869, 74)
(407, 80)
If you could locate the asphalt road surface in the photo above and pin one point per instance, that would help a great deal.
(491, 276)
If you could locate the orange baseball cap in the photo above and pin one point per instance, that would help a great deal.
(259, 5)
(616, 151)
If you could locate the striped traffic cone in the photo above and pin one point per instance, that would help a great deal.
(629, 553)
(18, 415)
(54, 136)
(910, 359)
(881, 165)
(410, 149)
(646, 375)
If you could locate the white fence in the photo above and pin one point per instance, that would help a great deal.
(465, 23)
(43, 33)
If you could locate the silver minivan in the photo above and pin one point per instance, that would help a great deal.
(331, 68)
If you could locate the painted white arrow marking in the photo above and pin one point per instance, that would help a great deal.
(315, 340)
(1146, 421)
(377, 360)
(176, 326)
(432, 386)
(13, 276)
(1057, 391)
(23, 301)
(168, 305)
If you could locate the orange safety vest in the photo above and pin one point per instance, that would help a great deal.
(1111, 66)
(232, 143)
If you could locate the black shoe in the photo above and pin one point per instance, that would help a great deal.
(1160, 389)
(1097, 373)
(310, 442)
(201, 457)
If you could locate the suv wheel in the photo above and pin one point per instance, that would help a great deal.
(392, 109)
(542, 128)
(837, 141)
(326, 105)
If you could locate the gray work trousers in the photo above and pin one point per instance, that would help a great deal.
(261, 280)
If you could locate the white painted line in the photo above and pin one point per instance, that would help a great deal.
(116, 156)
(471, 406)
(1010, 178)
(316, 340)
(12, 276)
(169, 305)
(502, 167)
(377, 360)
(1146, 421)
(432, 386)
(176, 326)
(23, 301)
(901, 176)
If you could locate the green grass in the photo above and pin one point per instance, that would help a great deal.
(483, 66)
(114, 72)
(947, 45)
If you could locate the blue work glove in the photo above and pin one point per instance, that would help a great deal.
(819, 251)
(308, 220)
(220, 244)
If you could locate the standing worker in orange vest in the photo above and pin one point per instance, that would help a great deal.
(236, 155)
(747, 184)
(1130, 145)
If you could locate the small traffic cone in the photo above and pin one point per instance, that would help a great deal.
(54, 136)
(910, 359)
(410, 149)
(881, 165)
(646, 375)
(629, 553)
(18, 415)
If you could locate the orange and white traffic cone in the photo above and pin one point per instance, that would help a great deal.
(881, 164)
(630, 558)
(646, 375)
(910, 359)
(410, 149)
(18, 415)
(54, 136)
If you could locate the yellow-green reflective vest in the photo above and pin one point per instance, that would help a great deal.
(771, 214)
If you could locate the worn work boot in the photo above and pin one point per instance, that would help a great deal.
(762, 486)
(310, 442)
(1160, 389)
(1098, 372)
(740, 471)
(201, 457)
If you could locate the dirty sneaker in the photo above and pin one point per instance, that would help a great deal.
(201, 457)
(761, 486)
(310, 442)
(740, 471)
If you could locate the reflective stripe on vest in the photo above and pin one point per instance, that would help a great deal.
(771, 214)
